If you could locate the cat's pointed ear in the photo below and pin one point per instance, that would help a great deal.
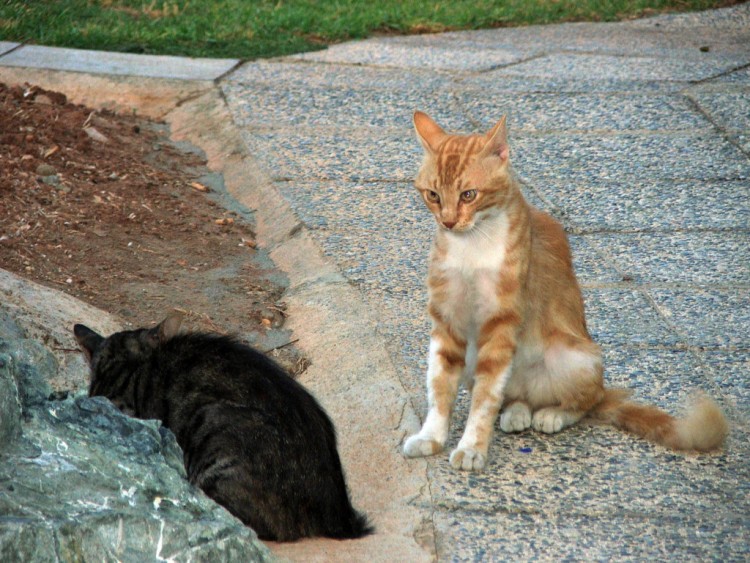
(170, 326)
(430, 134)
(88, 340)
(497, 141)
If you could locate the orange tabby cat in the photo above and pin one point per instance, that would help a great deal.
(507, 314)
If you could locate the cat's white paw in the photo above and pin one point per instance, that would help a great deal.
(550, 420)
(417, 446)
(468, 459)
(516, 418)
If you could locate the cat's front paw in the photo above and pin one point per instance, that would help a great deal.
(516, 418)
(468, 459)
(417, 446)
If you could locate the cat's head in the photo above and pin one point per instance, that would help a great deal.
(464, 178)
(124, 352)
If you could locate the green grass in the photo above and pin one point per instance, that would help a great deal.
(251, 29)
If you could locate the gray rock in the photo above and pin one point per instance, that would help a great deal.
(10, 406)
(80, 481)
(51, 180)
(30, 361)
(32, 311)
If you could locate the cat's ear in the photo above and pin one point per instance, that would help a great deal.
(430, 134)
(497, 141)
(88, 340)
(170, 326)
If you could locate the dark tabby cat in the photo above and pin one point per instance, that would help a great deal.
(253, 438)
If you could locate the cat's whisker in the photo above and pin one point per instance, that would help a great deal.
(482, 232)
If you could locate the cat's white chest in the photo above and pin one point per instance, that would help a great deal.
(471, 268)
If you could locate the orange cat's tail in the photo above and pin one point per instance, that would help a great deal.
(703, 429)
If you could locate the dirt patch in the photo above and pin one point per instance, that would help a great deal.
(106, 208)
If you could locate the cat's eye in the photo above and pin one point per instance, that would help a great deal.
(434, 197)
(468, 195)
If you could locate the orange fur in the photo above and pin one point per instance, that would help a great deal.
(501, 286)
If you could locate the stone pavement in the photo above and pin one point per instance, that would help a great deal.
(635, 135)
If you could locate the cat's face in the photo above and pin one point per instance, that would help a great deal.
(463, 179)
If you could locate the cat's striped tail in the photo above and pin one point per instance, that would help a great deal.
(703, 429)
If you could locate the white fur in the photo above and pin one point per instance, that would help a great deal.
(468, 459)
(470, 364)
(480, 248)
(472, 265)
(561, 361)
(541, 376)
(436, 426)
(552, 419)
(516, 418)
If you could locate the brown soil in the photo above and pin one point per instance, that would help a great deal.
(106, 208)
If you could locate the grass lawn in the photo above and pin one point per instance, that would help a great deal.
(251, 29)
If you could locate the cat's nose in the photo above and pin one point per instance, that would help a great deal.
(449, 224)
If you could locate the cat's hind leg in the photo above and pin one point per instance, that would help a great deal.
(568, 387)
(445, 365)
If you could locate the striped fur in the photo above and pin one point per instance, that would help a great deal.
(252, 438)
(507, 313)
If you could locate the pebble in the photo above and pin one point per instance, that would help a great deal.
(271, 317)
(46, 170)
(51, 180)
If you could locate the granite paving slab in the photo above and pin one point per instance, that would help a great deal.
(335, 154)
(627, 157)
(586, 469)
(589, 66)
(730, 370)
(717, 22)
(708, 317)
(386, 53)
(573, 537)
(352, 155)
(742, 141)
(665, 377)
(624, 316)
(662, 36)
(729, 110)
(680, 257)
(585, 112)
(591, 267)
(639, 205)
(641, 37)
(290, 73)
(274, 106)
(371, 206)
(738, 77)
(492, 84)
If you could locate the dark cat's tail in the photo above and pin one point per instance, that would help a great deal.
(703, 429)
(356, 525)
